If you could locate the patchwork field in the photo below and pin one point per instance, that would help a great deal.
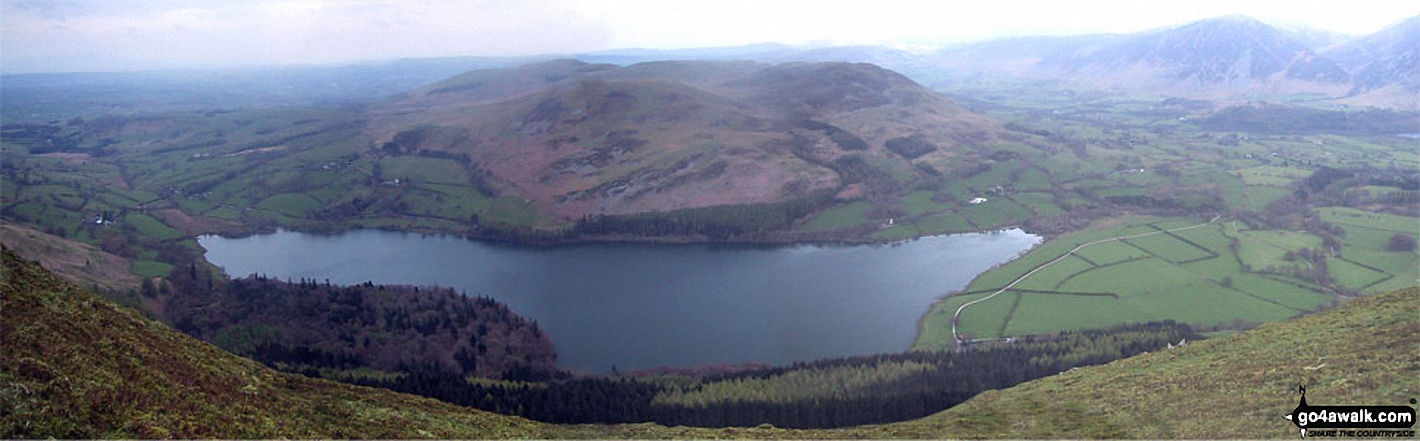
(1213, 274)
(1365, 259)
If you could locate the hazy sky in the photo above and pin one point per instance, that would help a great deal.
(109, 35)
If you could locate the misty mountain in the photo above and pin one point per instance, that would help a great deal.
(1228, 54)
(764, 53)
(1386, 58)
(1225, 50)
(1018, 55)
(1221, 57)
(30, 97)
(634, 55)
(1314, 39)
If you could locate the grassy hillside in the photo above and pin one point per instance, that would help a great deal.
(1366, 351)
(77, 366)
(79, 262)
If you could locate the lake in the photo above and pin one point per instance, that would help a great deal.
(647, 305)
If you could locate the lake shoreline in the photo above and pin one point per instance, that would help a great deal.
(538, 239)
(705, 302)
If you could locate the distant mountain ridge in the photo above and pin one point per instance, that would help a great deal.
(1389, 59)
(1230, 56)
(1219, 57)
(1224, 50)
(1240, 52)
(1226, 57)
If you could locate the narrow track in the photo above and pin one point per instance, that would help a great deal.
(956, 318)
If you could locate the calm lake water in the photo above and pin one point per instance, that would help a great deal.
(644, 305)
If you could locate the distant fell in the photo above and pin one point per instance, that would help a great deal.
(1221, 51)
(1225, 56)
(1385, 65)
(580, 139)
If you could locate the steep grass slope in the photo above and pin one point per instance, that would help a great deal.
(77, 366)
(1364, 352)
(79, 262)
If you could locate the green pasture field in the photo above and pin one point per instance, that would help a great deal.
(1279, 292)
(1050, 278)
(917, 202)
(1147, 179)
(148, 226)
(1260, 249)
(995, 212)
(841, 216)
(292, 204)
(1170, 248)
(194, 206)
(943, 223)
(1123, 191)
(1272, 176)
(1042, 203)
(1195, 301)
(1366, 242)
(986, 317)
(1113, 282)
(999, 174)
(1032, 179)
(1353, 274)
(1111, 252)
(934, 330)
(1092, 183)
(420, 169)
(1262, 196)
(1373, 221)
(897, 232)
(508, 210)
(1124, 279)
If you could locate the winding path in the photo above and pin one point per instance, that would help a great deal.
(956, 318)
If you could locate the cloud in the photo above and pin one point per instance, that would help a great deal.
(101, 36)
(67, 35)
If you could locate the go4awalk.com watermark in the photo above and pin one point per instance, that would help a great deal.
(1353, 421)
